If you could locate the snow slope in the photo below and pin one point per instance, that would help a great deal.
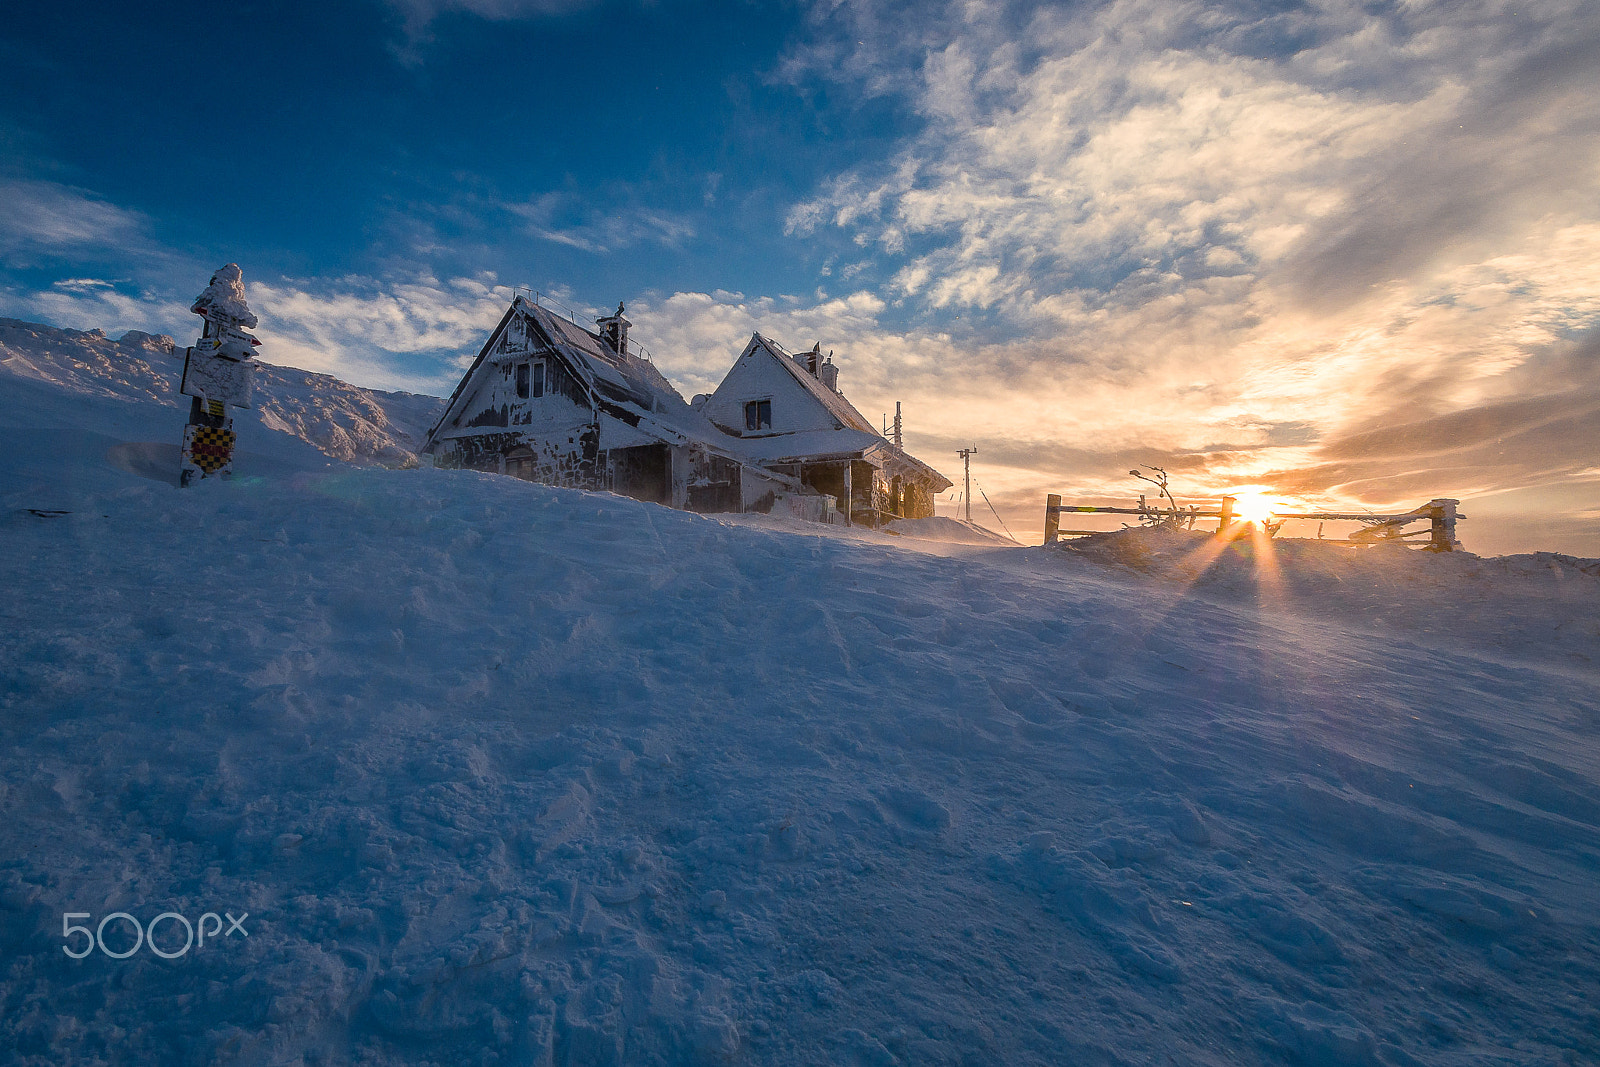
(343, 421)
(510, 774)
(942, 528)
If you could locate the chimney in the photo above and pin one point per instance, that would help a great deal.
(813, 358)
(829, 374)
(898, 443)
(614, 331)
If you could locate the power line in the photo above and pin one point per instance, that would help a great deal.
(1002, 522)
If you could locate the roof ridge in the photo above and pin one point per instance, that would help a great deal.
(837, 403)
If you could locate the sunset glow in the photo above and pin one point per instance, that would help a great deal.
(1347, 253)
(1254, 507)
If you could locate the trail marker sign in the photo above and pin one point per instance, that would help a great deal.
(217, 371)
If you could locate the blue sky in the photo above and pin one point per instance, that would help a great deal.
(603, 150)
(1346, 252)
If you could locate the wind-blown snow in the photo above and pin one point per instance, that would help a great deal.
(511, 774)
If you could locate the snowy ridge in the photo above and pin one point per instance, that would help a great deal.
(343, 421)
(511, 774)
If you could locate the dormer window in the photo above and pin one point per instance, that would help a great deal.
(758, 415)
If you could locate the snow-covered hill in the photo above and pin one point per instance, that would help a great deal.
(509, 774)
(341, 420)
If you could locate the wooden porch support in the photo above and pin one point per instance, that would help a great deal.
(849, 495)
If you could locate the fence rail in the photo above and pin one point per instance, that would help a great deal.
(1440, 513)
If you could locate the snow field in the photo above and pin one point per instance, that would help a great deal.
(511, 774)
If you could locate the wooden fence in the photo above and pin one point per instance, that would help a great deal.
(1440, 514)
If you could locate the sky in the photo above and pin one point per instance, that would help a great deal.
(1344, 253)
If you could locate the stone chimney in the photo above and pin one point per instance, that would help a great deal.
(814, 358)
(614, 331)
(829, 374)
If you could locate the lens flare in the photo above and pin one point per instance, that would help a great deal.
(1253, 507)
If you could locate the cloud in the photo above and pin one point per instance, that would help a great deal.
(695, 337)
(567, 219)
(363, 329)
(45, 221)
(95, 303)
(418, 16)
(414, 333)
(1179, 226)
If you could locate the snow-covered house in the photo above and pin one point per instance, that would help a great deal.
(548, 401)
(790, 418)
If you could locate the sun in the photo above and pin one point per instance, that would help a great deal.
(1253, 507)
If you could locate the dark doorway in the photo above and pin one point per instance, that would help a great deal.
(644, 473)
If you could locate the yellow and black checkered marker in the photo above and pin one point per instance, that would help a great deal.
(209, 448)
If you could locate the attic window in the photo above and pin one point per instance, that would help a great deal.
(530, 380)
(758, 415)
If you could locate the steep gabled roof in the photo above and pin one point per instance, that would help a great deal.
(856, 437)
(837, 405)
(450, 405)
(623, 384)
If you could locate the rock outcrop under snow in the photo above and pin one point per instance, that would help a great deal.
(343, 421)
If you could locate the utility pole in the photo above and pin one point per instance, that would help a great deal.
(966, 455)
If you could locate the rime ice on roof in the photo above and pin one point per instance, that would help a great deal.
(223, 301)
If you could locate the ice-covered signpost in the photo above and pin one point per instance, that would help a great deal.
(216, 373)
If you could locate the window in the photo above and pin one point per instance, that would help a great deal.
(758, 415)
(530, 380)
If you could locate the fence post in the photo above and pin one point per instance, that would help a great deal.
(1443, 514)
(1052, 518)
(1227, 515)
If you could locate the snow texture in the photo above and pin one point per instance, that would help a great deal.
(223, 301)
(87, 379)
(508, 774)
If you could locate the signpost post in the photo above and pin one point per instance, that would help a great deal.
(216, 374)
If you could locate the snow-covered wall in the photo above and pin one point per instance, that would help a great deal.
(756, 376)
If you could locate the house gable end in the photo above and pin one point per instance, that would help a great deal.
(469, 381)
(762, 374)
(489, 394)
